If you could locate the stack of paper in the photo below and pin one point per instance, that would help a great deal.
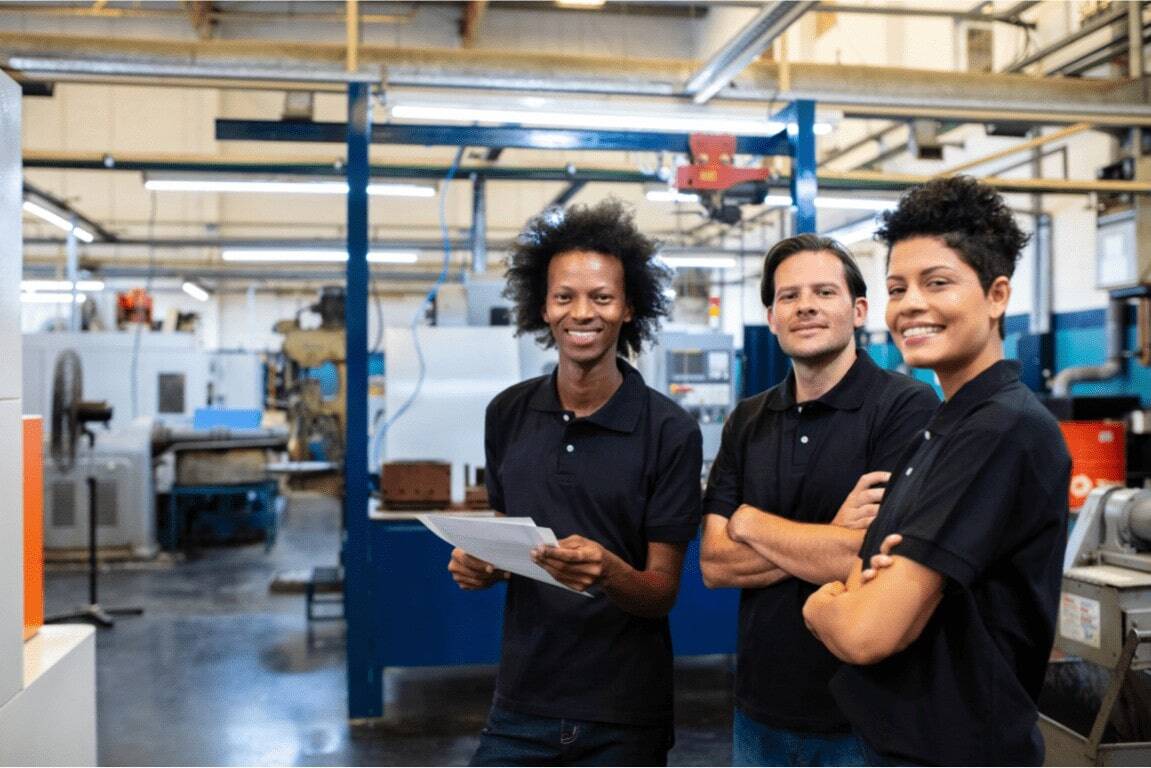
(505, 542)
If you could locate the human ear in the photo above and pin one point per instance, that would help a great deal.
(859, 311)
(999, 294)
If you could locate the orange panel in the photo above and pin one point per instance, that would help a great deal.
(33, 525)
(1098, 456)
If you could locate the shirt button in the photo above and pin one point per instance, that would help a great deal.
(800, 409)
(907, 473)
(570, 447)
(803, 439)
(927, 434)
(567, 417)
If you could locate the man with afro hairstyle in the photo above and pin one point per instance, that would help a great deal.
(947, 632)
(613, 467)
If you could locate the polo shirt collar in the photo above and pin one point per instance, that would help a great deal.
(848, 394)
(980, 389)
(620, 413)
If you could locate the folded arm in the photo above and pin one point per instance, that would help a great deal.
(726, 563)
(813, 552)
(865, 623)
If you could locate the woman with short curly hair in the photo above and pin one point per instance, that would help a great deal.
(947, 632)
(613, 468)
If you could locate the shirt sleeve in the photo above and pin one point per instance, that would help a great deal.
(964, 506)
(907, 417)
(725, 481)
(493, 456)
(674, 505)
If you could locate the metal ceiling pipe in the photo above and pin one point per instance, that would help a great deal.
(47, 68)
(745, 47)
(479, 226)
(1113, 366)
(912, 92)
(1090, 28)
(1008, 16)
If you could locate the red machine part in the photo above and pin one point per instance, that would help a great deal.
(1098, 456)
(133, 306)
(711, 167)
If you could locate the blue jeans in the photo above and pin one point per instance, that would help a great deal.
(512, 738)
(754, 743)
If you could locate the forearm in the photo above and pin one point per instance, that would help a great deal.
(812, 552)
(866, 623)
(648, 593)
(726, 563)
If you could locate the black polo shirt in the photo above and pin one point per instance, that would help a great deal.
(799, 461)
(981, 498)
(624, 476)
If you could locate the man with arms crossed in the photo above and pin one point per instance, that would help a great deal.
(798, 478)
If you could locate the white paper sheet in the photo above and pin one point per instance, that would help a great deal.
(505, 542)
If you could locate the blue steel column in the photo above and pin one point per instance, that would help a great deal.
(365, 697)
(801, 135)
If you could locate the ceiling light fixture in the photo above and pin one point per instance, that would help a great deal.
(94, 286)
(838, 203)
(286, 187)
(52, 298)
(856, 232)
(832, 203)
(313, 255)
(57, 220)
(196, 291)
(536, 111)
(671, 196)
(700, 262)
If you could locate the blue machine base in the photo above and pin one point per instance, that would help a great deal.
(423, 619)
(221, 513)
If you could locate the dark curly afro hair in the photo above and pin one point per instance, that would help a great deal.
(608, 228)
(969, 217)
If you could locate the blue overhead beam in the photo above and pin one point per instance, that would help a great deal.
(364, 698)
(488, 136)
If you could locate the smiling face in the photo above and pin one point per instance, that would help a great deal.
(586, 306)
(813, 314)
(939, 314)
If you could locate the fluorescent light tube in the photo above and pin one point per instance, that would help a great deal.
(284, 187)
(699, 122)
(832, 203)
(57, 220)
(855, 233)
(61, 285)
(195, 291)
(313, 255)
(671, 196)
(838, 203)
(51, 298)
(700, 262)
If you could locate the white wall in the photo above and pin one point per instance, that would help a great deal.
(11, 453)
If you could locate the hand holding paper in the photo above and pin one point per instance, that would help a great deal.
(504, 542)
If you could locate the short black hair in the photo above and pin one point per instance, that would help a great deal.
(970, 218)
(788, 247)
(608, 228)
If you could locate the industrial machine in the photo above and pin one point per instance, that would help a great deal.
(314, 380)
(161, 375)
(695, 370)
(1105, 621)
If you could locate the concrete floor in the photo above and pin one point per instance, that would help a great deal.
(220, 671)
